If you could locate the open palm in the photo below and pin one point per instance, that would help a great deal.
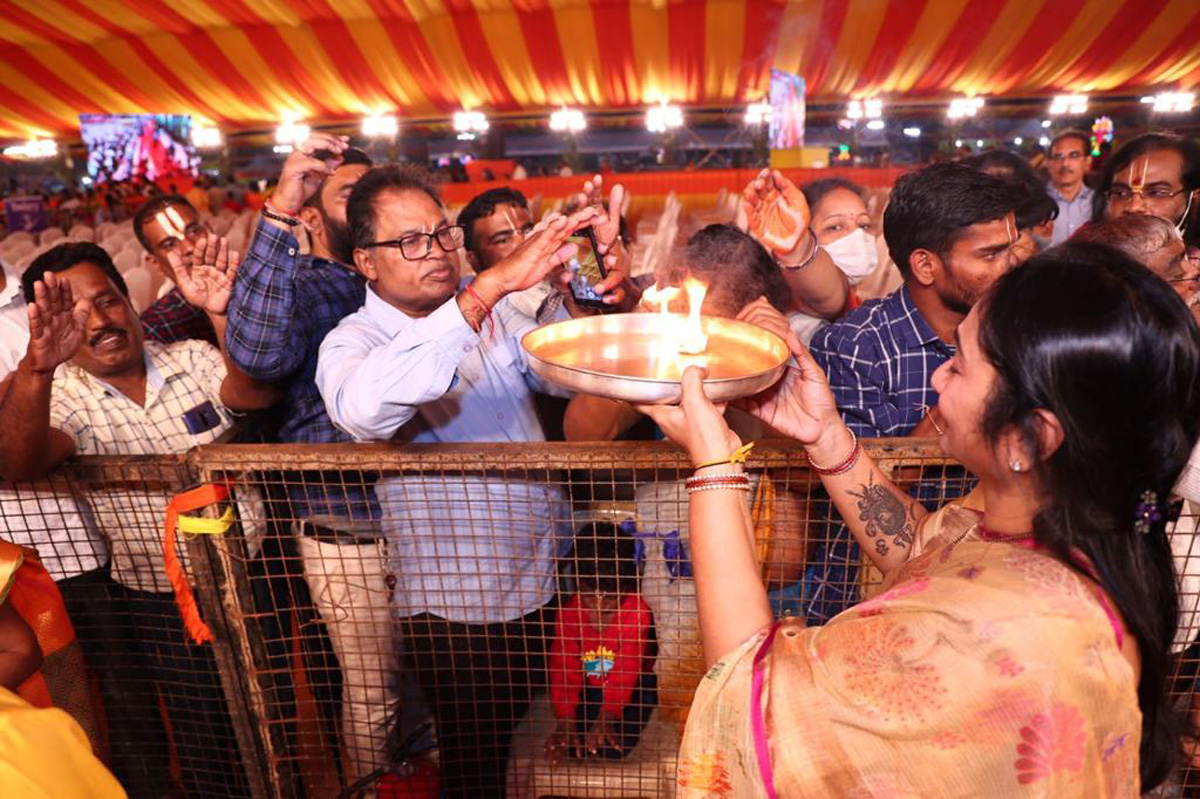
(776, 212)
(207, 282)
(56, 323)
(800, 405)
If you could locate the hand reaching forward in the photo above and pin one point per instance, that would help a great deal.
(303, 172)
(208, 282)
(56, 324)
(544, 249)
(800, 405)
(776, 213)
(695, 423)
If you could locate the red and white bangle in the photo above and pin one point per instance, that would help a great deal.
(717, 482)
(844, 466)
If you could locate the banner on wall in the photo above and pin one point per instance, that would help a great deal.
(25, 214)
(787, 110)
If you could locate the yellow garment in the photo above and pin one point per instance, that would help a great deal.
(45, 755)
(985, 669)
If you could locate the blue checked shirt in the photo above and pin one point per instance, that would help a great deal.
(283, 305)
(880, 361)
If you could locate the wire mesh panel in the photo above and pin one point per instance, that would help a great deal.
(508, 620)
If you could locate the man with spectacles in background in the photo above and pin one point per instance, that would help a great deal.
(1070, 161)
(1156, 174)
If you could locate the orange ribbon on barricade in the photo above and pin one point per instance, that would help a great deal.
(184, 503)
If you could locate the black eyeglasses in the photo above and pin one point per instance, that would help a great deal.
(1156, 193)
(416, 246)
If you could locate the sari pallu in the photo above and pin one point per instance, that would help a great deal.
(983, 668)
(62, 680)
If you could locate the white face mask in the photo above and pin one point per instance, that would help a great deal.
(855, 255)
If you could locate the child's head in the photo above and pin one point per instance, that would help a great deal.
(604, 565)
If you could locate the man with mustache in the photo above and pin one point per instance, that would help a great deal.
(1070, 160)
(165, 224)
(431, 358)
(284, 303)
(90, 384)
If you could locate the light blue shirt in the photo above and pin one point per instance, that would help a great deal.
(471, 548)
(1072, 214)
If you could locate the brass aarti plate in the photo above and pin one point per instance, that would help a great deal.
(636, 357)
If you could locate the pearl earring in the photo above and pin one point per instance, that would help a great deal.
(1015, 465)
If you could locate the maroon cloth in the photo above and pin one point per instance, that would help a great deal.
(171, 318)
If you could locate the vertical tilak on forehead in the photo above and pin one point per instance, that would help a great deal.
(1012, 229)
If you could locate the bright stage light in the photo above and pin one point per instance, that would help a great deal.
(979, 143)
(469, 124)
(1074, 104)
(662, 117)
(758, 113)
(33, 149)
(380, 125)
(958, 142)
(1044, 141)
(1171, 102)
(291, 131)
(568, 120)
(876, 124)
(1045, 123)
(1018, 141)
(962, 107)
(206, 136)
(912, 133)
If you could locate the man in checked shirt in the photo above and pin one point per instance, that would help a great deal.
(950, 229)
(283, 305)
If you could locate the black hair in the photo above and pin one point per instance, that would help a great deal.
(360, 208)
(150, 209)
(815, 191)
(1074, 133)
(351, 156)
(604, 558)
(1087, 333)
(63, 257)
(1036, 206)
(1138, 146)
(737, 269)
(484, 205)
(929, 208)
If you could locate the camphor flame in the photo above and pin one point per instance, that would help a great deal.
(654, 297)
(694, 341)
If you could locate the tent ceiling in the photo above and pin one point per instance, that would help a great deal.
(245, 62)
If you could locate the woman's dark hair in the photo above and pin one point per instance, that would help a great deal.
(815, 191)
(1127, 153)
(604, 558)
(737, 269)
(1036, 206)
(63, 257)
(1087, 333)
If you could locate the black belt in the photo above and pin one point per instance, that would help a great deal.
(328, 535)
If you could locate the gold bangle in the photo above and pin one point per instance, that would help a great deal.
(737, 456)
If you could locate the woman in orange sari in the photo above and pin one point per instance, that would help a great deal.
(1021, 651)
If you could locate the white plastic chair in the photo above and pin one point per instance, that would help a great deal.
(141, 287)
(20, 236)
(82, 233)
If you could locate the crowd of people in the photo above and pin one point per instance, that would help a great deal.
(1042, 329)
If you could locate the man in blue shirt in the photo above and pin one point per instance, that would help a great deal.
(428, 359)
(284, 303)
(950, 230)
(1070, 161)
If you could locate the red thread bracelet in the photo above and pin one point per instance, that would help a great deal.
(487, 311)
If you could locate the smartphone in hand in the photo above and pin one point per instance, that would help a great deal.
(587, 269)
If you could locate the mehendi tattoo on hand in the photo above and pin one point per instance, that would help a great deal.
(885, 516)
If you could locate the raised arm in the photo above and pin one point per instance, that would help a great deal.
(880, 515)
(31, 447)
(776, 213)
(267, 335)
(207, 283)
(730, 596)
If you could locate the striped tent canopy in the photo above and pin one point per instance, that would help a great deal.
(245, 63)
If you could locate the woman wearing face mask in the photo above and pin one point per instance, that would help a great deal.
(846, 229)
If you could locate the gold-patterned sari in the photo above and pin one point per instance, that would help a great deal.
(984, 668)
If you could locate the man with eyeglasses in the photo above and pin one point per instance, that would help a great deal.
(165, 224)
(284, 303)
(1070, 160)
(1156, 174)
(432, 358)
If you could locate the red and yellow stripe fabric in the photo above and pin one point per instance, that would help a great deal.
(243, 63)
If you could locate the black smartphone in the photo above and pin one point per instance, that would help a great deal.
(587, 269)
